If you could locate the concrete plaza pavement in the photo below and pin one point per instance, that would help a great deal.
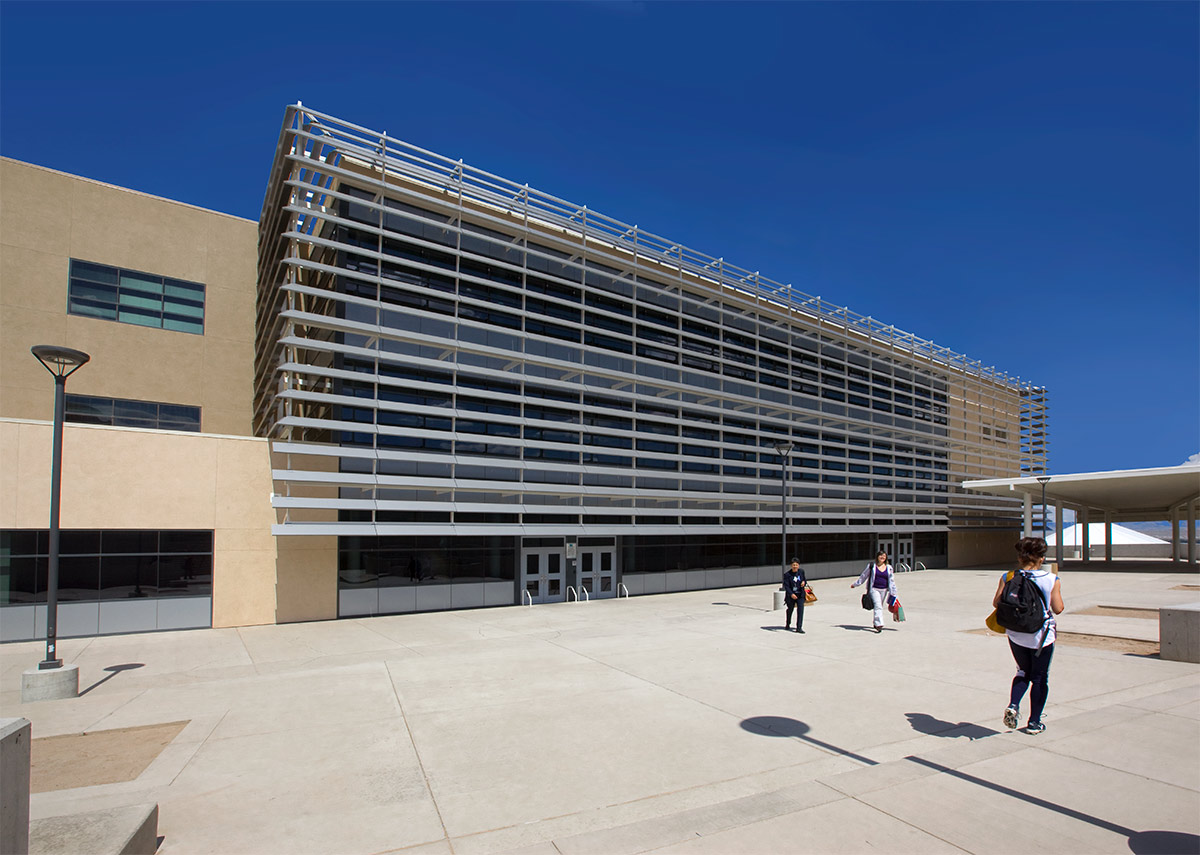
(677, 723)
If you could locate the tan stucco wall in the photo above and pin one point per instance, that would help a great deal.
(973, 548)
(123, 478)
(307, 564)
(307, 579)
(49, 217)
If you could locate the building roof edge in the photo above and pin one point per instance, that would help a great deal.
(111, 186)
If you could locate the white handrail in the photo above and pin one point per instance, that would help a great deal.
(621, 587)
(570, 591)
(524, 594)
(584, 591)
(921, 566)
(904, 568)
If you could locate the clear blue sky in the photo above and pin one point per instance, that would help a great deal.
(1016, 181)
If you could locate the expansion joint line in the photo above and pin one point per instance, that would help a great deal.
(642, 679)
(420, 762)
(921, 831)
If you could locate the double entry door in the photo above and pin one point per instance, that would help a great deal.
(598, 571)
(543, 574)
(546, 573)
(899, 549)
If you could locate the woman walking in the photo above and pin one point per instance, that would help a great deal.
(881, 581)
(1032, 650)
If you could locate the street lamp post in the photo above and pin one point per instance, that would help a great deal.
(785, 450)
(62, 362)
(1043, 480)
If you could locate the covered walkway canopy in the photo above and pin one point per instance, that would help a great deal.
(1131, 495)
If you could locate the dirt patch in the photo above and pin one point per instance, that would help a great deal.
(1097, 642)
(1119, 611)
(1108, 642)
(97, 757)
(1186, 588)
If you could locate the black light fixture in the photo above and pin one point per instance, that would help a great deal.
(1043, 480)
(784, 449)
(62, 362)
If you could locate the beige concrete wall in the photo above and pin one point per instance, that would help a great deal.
(307, 574)
(49, 217)
(307, 565)
(125, 478)
(968, 548)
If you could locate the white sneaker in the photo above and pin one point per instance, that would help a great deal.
(1010, 718)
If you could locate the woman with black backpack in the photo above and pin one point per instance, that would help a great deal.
(1031, 649)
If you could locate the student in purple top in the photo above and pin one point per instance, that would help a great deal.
(882, 583)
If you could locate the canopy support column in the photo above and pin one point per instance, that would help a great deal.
(1058, 534)
(1191, 533)
(1175, 535)
(1085, 539)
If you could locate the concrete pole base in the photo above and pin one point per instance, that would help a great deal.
(778, 600)
(50, 685)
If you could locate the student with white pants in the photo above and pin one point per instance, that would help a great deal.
(882, 582)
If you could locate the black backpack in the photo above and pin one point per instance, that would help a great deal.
(1022, 607)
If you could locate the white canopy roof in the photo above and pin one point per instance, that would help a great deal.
(1131, 494)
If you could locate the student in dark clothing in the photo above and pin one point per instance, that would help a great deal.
(794, 583)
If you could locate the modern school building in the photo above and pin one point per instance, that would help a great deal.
(415, 385)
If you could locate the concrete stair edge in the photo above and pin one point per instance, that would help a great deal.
(127, 830)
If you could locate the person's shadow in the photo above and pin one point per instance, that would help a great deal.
(923, 723)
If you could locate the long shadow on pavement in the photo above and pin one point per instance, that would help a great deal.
(113, 670)
(790, 728)
(1140, 842)
(1154, 842)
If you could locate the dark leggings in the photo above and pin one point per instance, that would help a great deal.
(1031, 669)
(798, 607)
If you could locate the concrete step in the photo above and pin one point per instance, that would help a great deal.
(130, 830)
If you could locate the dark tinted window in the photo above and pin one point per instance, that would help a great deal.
(91, 409)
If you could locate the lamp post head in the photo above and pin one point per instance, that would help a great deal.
(1042, 479)
(783, 448)
(59, 361)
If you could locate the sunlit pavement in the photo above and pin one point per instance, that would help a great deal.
(684, 722)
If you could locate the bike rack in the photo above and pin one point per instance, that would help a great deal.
(584, 591)
(904, 568)
(921, 566)
(621, 587)
(525, 594)
(571, 592)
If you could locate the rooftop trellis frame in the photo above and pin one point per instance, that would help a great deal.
(326, 140)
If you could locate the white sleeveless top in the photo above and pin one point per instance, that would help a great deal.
(1045, 581)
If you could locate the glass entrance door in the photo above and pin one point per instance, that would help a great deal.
(904, 550)
(598, 570)
(542, 574)
(887, 544)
